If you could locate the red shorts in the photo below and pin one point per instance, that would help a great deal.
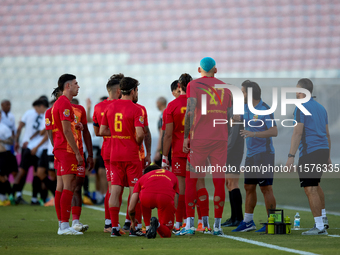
(204, 153)
(125, 169)
(67, 162)
(107, 169)
(164, 204)
(179, 166)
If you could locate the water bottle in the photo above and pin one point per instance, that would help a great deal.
(297, 221)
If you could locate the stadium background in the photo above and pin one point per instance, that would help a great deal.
(156, 41)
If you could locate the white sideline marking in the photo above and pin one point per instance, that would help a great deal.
(100, 209)
(334, 235)
(266, 245)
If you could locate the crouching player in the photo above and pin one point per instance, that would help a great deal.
(157, 188)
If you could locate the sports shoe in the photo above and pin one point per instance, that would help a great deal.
(218, 232)
(11, 198)
(183, 225)
(325, 222)
(87, 200)
(59, 233)
(127, 225)
(35, 203)
(245, 227)
(227, 222)
(138, 232)
(152, 232)
(20, 201)
(176, 230)
(200, 227)
(184, 231)
(69, 231)
(108, 228)
(50, 202)
(122, 232)
(315, 231)
(115, 232)
(5, 203)
(207, 231)
(261, 230)
(80, 227)
(231, 223)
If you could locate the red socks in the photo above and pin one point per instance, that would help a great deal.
(57, 204)
(65, 205)
(106, 205)
(164, 231)
(76, 211)
(180, 209)
(219, 195)
(190, 195)
(203, 201)
(114, 213)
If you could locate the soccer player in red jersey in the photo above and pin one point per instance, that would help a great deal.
(65, 148)
(51, 131)
(124, 122)
(157, 188)
(80, 126)
(207, 142)
(113, 90)
(174, 136)
(145, 161)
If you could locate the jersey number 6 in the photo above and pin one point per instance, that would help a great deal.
(118, 122)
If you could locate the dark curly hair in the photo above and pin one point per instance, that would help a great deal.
(184, 80)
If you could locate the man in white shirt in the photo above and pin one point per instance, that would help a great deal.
(6, 158)
(31, 120)
(8, 119)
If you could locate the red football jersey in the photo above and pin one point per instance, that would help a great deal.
(164, 119)
(218, 101)
(122, 117)
(79, 116)
(48, 119)
(62, 110)
(158, 182)
(176, 114)
(146, 124)
(97, 120)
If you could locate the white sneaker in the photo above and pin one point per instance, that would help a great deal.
(69, 231)
(80, 227)
(59, 233)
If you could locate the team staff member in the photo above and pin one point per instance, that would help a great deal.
(260, 151)
(65, 148)
(174, 136)
(161, 105)
(311, 136)
(157, 188)
(125, 122)
(235, 155)
(113, 90)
